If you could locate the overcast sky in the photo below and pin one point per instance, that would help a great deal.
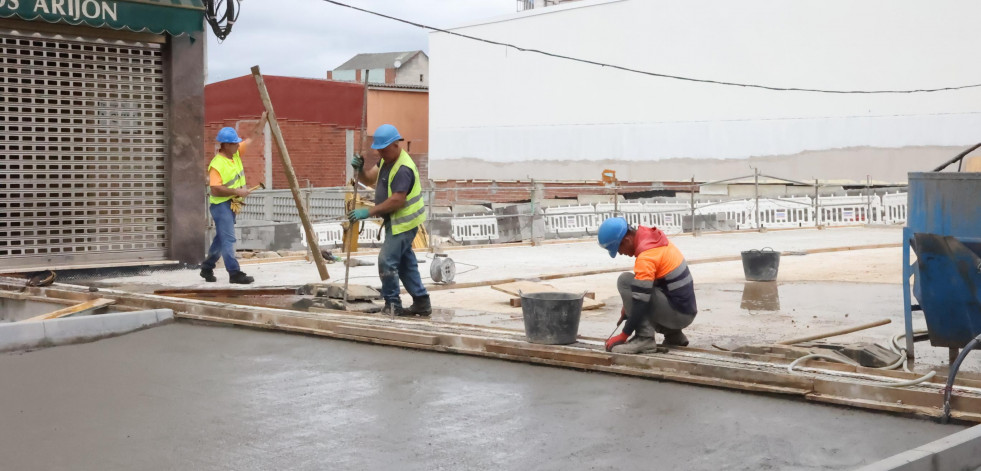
(305, 38)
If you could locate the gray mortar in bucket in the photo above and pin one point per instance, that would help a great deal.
(551, 318)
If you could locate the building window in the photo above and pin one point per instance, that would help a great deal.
(420, 77)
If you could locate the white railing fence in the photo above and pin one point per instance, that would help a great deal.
(326, 207)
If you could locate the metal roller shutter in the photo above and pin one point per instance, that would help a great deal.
(82, 151)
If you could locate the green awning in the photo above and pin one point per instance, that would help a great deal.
(174, 17)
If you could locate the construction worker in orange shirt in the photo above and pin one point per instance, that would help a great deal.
(658, 296)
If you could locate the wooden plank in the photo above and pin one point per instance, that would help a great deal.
(583, 357)
(40, 299)
(76, 309)
(225, 292)
(385, 334)
(517, 287)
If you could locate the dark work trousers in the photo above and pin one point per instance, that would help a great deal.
(397, 261)
(223, 245)
(662, 315)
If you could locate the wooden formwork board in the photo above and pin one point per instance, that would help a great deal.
(833, 384)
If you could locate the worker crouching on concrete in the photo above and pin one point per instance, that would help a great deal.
(226, 176)
(659, 296)
(398, 200)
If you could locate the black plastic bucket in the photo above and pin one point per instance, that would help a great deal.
(761, 265)
(551, 318)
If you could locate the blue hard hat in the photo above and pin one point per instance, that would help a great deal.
(228, 136)
(384, 136)
(611, 233)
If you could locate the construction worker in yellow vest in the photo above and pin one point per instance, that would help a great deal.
(398, 201)
(226, 177)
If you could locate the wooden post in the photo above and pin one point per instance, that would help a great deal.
(284, 156)
(354, 227)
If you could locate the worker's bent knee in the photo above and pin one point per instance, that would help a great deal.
(625, 279)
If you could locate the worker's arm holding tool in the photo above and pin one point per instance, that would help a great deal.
(219, 189)
(367, 176)
(370, 176)
(640, 293)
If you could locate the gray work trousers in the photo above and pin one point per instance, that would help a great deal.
(662, 316)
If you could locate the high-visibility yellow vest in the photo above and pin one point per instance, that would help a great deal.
(232, 174)
(413, 213)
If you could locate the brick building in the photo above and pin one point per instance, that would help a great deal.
(319, 120)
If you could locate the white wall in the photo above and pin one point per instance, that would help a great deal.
(409, 73)
(503, 106)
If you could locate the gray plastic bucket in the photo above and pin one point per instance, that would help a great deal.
(551, 318)
(761, 265)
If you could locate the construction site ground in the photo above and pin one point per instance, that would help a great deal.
(197, 395)
(187, 396)
(828, 279)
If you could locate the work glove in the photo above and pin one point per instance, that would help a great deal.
(616, 340)
(359, 214)
(357, 162)
(623, 316)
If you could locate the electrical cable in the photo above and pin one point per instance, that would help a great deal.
(901, 384)
(949, 387)
(221, 23)
(653, 74)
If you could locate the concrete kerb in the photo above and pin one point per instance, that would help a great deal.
(69, 330)
(959, 451)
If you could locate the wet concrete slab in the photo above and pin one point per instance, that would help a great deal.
(199, 397)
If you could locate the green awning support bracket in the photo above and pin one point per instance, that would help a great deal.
(174, 17)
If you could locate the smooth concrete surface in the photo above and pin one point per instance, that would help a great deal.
(67, 330)
(960, 451)
(207, 398)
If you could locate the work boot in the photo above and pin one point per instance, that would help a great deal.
(208, 275)
(637, 345)
(387, 310)
(421, 306)
(240, 278)
(675, 338)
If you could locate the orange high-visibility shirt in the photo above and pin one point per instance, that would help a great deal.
(656, 263)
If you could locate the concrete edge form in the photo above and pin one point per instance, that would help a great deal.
(755, 371)
(959, 451)
(27, 335)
